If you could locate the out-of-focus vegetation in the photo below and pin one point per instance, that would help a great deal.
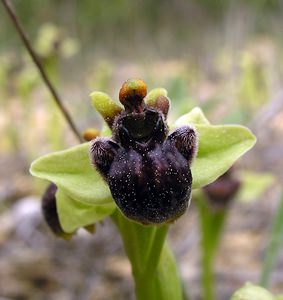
(224, 56)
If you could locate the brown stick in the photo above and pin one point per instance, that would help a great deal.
(11, 12)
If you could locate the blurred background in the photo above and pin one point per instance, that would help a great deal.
(224, 56)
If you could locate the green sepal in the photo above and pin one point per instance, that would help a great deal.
(219, 147)
(75, 214)
(195, 116)
(72, 172)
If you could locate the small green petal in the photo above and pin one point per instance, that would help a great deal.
(105, 106)
(151, 97)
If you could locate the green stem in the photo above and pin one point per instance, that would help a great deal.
(207, 277)
(274, 245)
(155, 248)
(153, 264)
(211, 227)
(162, 284)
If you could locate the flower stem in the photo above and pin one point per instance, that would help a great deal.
(211, 227)
(156, 247)
(153, 264)
(163, 283)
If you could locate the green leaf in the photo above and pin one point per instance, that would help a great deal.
(75, 214)
(254, 184)
(219, 148)
(169, 285)
(252, 292)
(211, 224)
(71, 171)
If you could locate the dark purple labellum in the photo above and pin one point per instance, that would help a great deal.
(222, 191)
(49, 209)
(147, 170)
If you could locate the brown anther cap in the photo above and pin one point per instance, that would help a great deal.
(132, 93)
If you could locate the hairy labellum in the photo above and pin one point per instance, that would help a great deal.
(222, 191)
(146, 168)
(49, 209)
(50, 214)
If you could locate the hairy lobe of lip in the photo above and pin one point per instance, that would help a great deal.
(147, 170)
(151, 187)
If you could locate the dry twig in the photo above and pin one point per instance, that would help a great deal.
(16, 22)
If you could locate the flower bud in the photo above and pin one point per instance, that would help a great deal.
(221, 192)
(147, 170)
(49, 210)
(252, 292)
(91, 229)
(90, 134)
